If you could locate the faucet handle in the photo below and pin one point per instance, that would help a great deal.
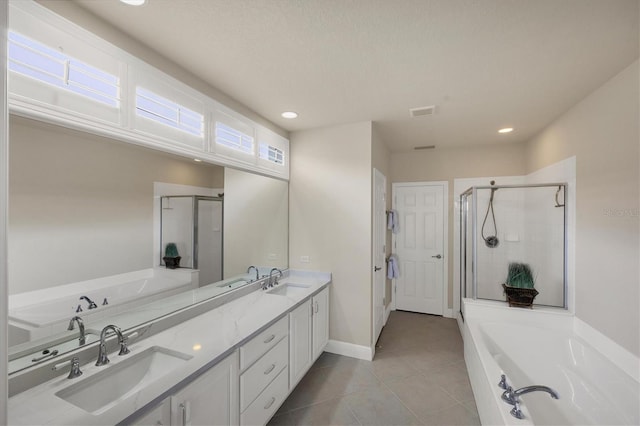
(75, 367)
(79, 309)
(124, 349)
(503, 382)
(516, 412)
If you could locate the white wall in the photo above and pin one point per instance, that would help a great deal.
(4, 162)
(81, 206)
(330, 220)
(602, 132)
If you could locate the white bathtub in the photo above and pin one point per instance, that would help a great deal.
(542, 347)
(40, 313)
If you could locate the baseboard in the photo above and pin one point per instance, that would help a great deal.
(448, 313)
(349, 349)
(387, 312)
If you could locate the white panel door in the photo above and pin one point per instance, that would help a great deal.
(379, 242)
(420, 247)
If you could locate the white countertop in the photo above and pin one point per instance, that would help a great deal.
(207, 337)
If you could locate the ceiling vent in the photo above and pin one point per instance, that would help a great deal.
(422, 111)
(424, 147)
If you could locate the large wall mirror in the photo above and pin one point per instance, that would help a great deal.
(84, 207)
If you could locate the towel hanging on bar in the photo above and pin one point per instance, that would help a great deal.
(393, 267)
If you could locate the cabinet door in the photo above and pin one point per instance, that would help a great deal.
(212, 399)
(320, 306)
(299, 342)
(161, 415)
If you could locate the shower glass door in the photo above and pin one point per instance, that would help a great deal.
(523, 224)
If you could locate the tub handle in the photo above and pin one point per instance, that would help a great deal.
(503, 382)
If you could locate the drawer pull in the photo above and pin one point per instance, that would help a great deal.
(270, 338)
(270, 369)
(270, 403)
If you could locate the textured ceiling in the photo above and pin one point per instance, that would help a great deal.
(485, 64)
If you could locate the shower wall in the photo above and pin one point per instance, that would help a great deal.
(530, 229)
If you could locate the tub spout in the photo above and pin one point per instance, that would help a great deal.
(537, 388)
(511, 396)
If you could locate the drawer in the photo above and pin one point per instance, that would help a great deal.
(262, 372)
(266, 404)
(259, 345)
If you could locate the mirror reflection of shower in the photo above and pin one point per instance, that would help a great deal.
(194, 224)
(491, 241)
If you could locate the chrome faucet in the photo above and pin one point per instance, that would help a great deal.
(80, 327)
(257, 273)
(102, 353)
(274, 280)
(512, 397)
(92, 304)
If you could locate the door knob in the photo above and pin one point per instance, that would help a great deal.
(437, 256)
(376, 268)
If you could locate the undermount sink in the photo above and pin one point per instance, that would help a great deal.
(289, 289)
(233, 283)
(115, 383)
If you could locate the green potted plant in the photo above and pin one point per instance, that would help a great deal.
(171, 257)
(519, 285)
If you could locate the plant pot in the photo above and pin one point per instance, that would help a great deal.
(520, 297)
(172, 262)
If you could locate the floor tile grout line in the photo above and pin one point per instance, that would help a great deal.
(403, 404)
(355, 416)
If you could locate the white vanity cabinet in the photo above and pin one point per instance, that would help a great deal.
(264, 383)
(159, 416)
(211, 399)
(300, 355)
(308, 334)
(320, 317)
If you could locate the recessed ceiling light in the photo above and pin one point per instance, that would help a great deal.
(197, 160)
(506, 130)
(134, 2)
(289, 114)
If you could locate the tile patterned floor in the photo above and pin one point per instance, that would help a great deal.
(418, 377)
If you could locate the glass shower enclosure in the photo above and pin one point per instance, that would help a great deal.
(504, 224)
(194, 224)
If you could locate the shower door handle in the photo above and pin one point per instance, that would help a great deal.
(437, 256)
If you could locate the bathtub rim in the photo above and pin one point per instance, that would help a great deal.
(476, 351)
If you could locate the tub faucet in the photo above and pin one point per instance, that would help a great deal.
(80, 327)
(102, 353)
(274, 280)
(512, 397)
(257, 273)
(92, 304)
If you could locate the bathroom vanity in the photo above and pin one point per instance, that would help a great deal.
(233, 364)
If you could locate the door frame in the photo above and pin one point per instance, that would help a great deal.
(446, 311)
(378, 174)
